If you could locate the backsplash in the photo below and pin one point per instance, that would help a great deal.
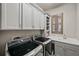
(7, 35)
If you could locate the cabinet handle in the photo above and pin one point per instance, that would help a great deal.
(19, 15)
(32, 26)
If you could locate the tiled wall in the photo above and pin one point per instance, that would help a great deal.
(8, 34)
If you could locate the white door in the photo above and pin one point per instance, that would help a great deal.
(10, 16)
(36, 18)
(27, 16)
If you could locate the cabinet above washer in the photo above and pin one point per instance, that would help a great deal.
(21, 16)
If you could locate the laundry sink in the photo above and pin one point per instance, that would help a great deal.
(41, 39)
(22, 48)
(46, 44)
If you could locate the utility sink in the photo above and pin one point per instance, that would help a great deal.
(22, 48)
(46, 44)
(41, 39)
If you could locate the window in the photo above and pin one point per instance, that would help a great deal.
(57, 24)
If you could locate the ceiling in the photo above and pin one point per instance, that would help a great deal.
(47, 6)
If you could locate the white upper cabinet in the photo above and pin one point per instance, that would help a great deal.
(21, 16)
(36, 16)
(10, 16)
(27, 16)
(39, 19)
(32, 17)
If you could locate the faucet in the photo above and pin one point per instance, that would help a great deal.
(64, 36)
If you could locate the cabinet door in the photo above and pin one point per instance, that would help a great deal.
(42, 20)
(70, 52)
(10, 16)
(59, 50)
(36, 17)
(27, 16)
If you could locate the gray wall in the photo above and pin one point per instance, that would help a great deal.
(6, 35)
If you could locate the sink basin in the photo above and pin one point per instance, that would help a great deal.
(41, 39)
(46, 44)
(22, 48)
